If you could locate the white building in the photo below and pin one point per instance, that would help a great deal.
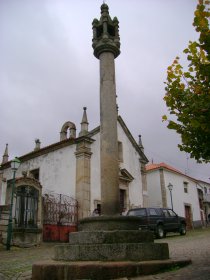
(185, 197)
(71, 167)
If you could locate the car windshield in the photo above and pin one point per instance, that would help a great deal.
(137, 212)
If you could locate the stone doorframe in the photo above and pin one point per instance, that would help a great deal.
(28, 181)
(27, 236)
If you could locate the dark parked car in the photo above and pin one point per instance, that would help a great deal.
(159, 220)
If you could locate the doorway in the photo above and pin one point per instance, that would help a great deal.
(188, 216)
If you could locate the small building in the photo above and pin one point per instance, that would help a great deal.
(205, 198)
(68, 168)
(168, 187)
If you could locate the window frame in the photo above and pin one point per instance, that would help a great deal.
(26, 206)
(186, 187)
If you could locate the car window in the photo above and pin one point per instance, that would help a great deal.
(153, 212)
(172, 213)
(165, 212)
(137, 212)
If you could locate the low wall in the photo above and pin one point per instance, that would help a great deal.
(26, 237)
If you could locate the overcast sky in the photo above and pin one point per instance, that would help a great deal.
(48, 72)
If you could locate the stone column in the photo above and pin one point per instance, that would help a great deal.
(108, 133)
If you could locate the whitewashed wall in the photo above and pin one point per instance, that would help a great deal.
(57, 171)
(154, 190)
(132, 164)
(180, 198)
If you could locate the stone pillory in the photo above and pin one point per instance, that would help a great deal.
(106, 45)
(112, 244)
(106, 34)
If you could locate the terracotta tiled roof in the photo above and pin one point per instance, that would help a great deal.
(154, 166)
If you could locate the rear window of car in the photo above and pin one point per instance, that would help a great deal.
(137, 212)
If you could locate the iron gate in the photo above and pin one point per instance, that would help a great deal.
(60, 216)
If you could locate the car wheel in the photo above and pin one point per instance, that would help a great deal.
(160, 233)
(182, 229)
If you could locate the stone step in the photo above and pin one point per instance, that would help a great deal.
(108, 237)
(112, 252)
(46, 270)
(106, 223)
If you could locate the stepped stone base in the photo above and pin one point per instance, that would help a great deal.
(100, 270)
(106, 248)
(115, 236)
(118, 245)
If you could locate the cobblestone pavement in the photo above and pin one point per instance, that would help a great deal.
(17, 263)
(196, 246)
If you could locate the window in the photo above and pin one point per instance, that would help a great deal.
(26, 207)
(153, 212)
(35, 174)
(137, 212)
(120, 151)
(99, 31)
(122, 200)
(111, 30)
(185, 187)
(99, 208)
(172, 213)
(166, 213)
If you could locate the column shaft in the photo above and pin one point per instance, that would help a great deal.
(109, 142)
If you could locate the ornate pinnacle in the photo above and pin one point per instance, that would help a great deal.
(106, 33)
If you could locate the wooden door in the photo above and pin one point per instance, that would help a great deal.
(188, 216)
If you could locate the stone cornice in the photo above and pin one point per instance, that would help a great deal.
(85, 138)
(94, 131)
(125, 175)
